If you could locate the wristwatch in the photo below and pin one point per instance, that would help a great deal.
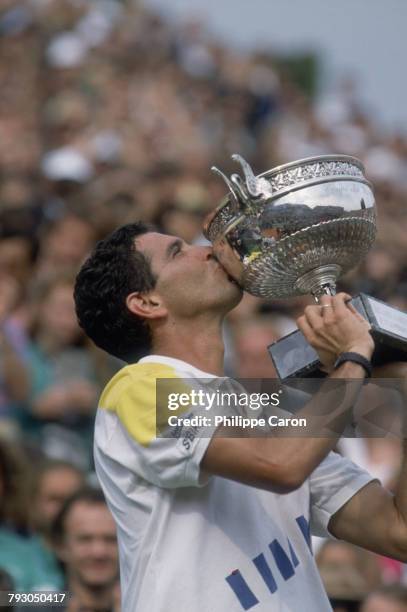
(355, 358)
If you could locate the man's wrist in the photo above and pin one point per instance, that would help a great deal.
(348, 370)
(355, 358)
(363, 350)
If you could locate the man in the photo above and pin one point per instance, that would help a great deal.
(85, 537)
(56, 481)
(208, 524)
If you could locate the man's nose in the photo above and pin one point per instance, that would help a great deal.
(99, 548)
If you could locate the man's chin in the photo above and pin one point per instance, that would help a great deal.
(98, 580)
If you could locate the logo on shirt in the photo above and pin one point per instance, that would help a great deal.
(285, 562)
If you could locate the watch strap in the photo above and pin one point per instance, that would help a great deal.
(355, 358)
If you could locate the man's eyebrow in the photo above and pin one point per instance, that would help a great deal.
(175, 244)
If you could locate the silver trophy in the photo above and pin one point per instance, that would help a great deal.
(295, 230)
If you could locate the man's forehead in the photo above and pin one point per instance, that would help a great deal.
(153, 243)
(83, 510)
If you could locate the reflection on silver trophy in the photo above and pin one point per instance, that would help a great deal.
(295, 230)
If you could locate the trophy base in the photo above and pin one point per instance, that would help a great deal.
(293, 357)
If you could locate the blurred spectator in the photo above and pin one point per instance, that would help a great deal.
(16, 257)
(14, 381)
(185, 215)
(389, 598)
(64, 246)
(16, 557)
(55, 482)
(363, 563)
(63, 388)
(348, 574)
(6, 585)
(252, 336)
(14, 483)
(85, 537)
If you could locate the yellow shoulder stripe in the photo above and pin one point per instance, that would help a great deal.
(132, 395)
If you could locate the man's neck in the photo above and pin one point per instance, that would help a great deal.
(198, 343)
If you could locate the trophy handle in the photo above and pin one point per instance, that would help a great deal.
(243, 192)
(256, 187)
(228, 183)
(240, 188)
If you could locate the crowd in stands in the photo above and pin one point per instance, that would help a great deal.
(109, 114)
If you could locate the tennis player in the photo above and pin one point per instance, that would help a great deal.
(210, 523)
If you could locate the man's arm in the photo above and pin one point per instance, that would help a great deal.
(282, 463)
(374, 518)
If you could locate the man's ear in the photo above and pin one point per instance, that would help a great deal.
(146, 305)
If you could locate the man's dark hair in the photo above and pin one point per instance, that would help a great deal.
(87, 495)
(113, 271)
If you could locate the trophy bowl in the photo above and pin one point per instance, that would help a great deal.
(294, 229)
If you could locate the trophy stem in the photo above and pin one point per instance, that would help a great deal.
(329, 289)
(319, 281)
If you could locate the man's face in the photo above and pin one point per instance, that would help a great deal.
(89, 549)
(189, 279)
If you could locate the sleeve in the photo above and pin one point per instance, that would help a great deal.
(165, 456)
(332, 484)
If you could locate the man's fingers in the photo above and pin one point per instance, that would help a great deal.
(339, 304)
(356, 313)
(329, 309)
(313, 315)
(325, 300)
(306, 329)
(326, 309)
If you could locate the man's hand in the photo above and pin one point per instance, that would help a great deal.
(334, 327)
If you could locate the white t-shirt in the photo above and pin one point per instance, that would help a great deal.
(188, 544)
